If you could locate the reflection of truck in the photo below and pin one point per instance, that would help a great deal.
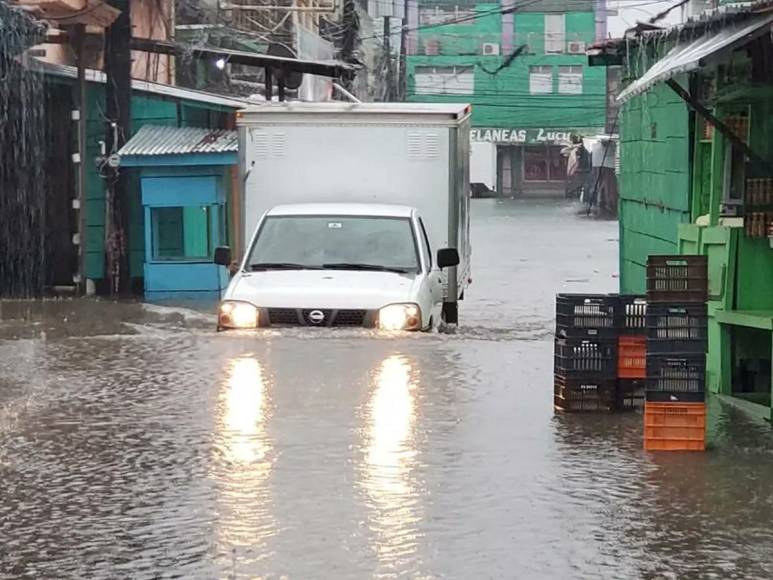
(354, 155)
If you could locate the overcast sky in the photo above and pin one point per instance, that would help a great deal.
(629, 12)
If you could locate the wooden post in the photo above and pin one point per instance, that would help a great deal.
(118, 93)
(80, 103)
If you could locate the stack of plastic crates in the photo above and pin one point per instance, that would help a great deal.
(677, 323)
(585, 369)
(632, 351)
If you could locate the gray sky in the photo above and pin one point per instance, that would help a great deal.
(629, 12)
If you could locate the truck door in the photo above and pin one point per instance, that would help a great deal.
(434, 277)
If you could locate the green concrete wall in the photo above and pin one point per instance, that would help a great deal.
(654, 181)
(503, 99)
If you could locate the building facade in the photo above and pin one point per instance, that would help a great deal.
(697, 178)
(523, 68)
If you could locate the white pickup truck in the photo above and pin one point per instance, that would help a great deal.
(358, 216)
(339, 265)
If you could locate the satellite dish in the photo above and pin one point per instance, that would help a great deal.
(292, 79)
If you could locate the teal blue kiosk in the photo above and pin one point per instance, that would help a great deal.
(184, 175)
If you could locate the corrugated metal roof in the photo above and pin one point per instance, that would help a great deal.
(688, 56)
(154, 140)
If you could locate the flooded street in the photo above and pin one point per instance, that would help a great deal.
(136, 442)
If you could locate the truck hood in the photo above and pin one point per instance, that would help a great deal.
(333, 289)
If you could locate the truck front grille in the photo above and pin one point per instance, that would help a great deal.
(319, 317)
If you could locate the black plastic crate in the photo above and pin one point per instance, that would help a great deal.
(578, 357)
(676, 374)
(583, 396)
(631, 314)
(585, 316)
(677, 279)
(677, 328)
(630, 394)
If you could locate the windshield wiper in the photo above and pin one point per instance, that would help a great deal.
(368, 267)
(280, 266)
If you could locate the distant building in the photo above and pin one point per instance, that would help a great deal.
(523, 68)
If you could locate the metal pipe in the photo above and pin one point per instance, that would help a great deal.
(727, 133)
(346, 93)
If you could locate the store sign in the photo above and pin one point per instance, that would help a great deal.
(534, 135)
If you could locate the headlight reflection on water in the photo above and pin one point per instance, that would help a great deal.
(390, 459)
(245, 510)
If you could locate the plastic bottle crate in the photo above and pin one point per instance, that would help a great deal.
(679, 375)
(632, 357)
(583, 396)
(631, 314)
(585, 316)
(677, 328)
(581, 358)
(674, 426)
(677, 279)
(630, 394)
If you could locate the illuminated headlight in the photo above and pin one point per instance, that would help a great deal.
(400, 317)
(237, 315)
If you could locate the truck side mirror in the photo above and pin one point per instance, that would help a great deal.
(447, 257)
(223, 256)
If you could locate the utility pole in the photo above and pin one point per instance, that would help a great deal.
(118, 63)
(388, 71)
(403, 77)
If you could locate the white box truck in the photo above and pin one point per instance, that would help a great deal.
(357, 214)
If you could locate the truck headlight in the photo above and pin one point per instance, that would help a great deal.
(237, 315)
(399, 317)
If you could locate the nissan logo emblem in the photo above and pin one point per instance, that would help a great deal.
(316, 317)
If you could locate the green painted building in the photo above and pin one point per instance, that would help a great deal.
(696, 159)
(523, 68)
(152, 104)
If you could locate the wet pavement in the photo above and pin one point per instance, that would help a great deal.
(135, 442)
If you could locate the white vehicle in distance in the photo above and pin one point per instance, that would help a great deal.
(333, 265)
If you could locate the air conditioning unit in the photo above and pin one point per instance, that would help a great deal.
(489, 49)
(575, 47)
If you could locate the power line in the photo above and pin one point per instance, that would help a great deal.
(503, 10)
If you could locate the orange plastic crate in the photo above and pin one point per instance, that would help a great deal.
(674, 426)
(632, 357)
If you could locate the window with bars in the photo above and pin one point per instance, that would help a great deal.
(570, 79)
(540, 79)
(444, 80)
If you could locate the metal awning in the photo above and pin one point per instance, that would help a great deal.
(153, 140)
(688, 56)
(179, 146)
(325, 68)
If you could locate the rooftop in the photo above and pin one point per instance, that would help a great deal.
(95, 76)
(342, 209)
(334, 107)
(155, 140)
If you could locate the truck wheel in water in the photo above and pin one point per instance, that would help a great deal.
(451, 312)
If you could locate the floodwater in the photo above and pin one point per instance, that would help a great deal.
(135, 442)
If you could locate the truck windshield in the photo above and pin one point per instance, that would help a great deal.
(336, 243)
